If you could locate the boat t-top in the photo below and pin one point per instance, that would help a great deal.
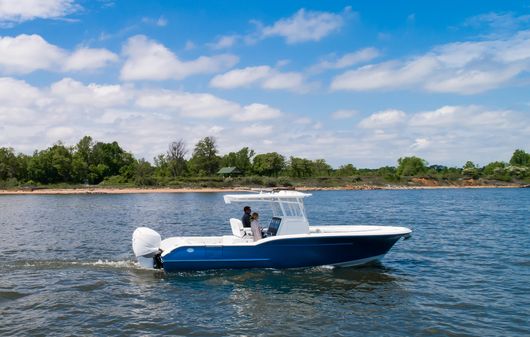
(289, 241)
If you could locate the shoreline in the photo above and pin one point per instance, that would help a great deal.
(140, 190)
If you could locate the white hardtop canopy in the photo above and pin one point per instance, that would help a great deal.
(288, 205)
(281, 196)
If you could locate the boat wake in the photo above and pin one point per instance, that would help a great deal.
(63, 264)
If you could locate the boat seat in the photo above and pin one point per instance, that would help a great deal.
(237, 227)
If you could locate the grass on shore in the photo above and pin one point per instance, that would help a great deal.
(286, 182)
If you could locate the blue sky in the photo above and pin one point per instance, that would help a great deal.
(350, 82)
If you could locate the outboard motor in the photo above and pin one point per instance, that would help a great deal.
(146, 247)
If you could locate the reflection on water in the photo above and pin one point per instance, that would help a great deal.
(66, 268)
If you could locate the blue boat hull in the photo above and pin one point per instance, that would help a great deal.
(281, 253)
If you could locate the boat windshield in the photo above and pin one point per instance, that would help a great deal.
(283, 204)
(288, 208)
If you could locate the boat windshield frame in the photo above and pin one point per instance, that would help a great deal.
(284, 203)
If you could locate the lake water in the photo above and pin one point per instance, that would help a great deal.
(66, 268)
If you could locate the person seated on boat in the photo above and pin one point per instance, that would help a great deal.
(256, 227)
(246, 216)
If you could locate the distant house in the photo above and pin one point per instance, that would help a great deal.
(229, 171)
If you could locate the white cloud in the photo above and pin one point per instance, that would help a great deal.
(256, 111)
(203, 106)
(24, 54)
(263, 76)
(160, 22)
(303, 120)
(347, 60)
(383, 119)
(188, 104)
(289, 81)
(89, 59)
(343, 114)
(74, 92)
(149, 60)
(144, 121)
(282, 63)
(463, 68)
(500, 23)
(257, 130)
(17, 93)
(224, 42)
(385, 75)
(305, 26)
(457, 116)
(472, 81)
(420, 144)
(461, 133)
(59, 132)
(14, 11)
(240, 77)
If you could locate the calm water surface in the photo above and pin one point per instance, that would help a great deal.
(66, 268)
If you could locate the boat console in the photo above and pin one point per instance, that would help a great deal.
(274, 225)
(289, 216)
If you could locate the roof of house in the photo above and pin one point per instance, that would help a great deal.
(228, 170)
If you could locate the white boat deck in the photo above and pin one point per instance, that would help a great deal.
(314, 231)
(360, 230)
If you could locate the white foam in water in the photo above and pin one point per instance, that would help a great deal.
(114, 264)
(325, 267)
(123, 264)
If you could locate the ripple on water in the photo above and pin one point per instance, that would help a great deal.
(463, 272)
(6, 296)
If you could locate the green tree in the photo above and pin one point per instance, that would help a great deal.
(470, 170)
(321, 168)
(204, 160)
(268, 164)
(411, 166)
(109, 159)
(493, 167)
(161, 166)
(300, 167)
(22, 167)
(520, 158)
(389, 173)
(175, 158)
(241, 159)
(8, 163)
(82, 159)
(347, 170)
(143, 173)
(53, 165)
(518, 171)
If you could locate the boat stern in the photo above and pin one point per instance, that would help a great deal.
(146, 247)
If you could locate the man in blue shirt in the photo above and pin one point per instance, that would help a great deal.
(246, 216)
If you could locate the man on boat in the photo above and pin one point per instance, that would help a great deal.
(246, 216)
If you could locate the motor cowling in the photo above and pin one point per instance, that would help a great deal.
(146, 246)
(145, 242)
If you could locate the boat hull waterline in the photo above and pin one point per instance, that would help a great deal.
(341, 251)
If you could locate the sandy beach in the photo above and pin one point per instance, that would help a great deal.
(100, 190)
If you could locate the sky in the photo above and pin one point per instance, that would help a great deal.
(361, 82)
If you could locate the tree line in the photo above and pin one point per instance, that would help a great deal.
(92, 162)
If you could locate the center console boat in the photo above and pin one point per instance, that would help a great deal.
(289, 241)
